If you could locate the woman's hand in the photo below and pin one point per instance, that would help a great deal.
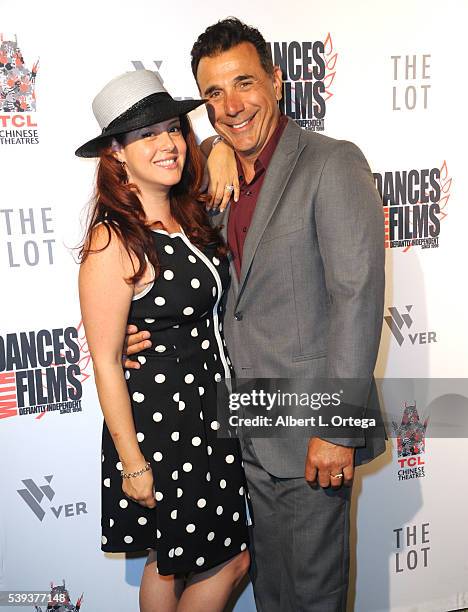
(220, 172)
(140, 489)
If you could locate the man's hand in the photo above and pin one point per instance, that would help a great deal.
(324, 460)
(135, 342)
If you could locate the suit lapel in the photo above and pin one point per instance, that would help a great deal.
(278, 173)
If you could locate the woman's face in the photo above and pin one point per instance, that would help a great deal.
(154, 155)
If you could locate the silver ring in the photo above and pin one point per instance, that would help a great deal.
(229, 188)
(340, 475)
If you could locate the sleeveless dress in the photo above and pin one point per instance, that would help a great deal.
(200, 519)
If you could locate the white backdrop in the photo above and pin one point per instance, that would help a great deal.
(395, 83)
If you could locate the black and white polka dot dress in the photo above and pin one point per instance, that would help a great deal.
(199, 520)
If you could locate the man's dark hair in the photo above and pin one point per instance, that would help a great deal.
(226, 34)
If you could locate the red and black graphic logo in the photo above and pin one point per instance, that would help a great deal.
(411, 436)
(415, 203)
(42, 371)
(59, 600)
(17, 96)
(309, 69)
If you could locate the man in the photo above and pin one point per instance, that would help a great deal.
(306, 300)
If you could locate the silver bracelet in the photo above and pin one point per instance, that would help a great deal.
(216, 141)
(137, 473)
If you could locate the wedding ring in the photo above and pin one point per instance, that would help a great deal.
(340, 475)
(229, 188)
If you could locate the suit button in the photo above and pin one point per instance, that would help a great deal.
(238, 316)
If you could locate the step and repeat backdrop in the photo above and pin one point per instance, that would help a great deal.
(389, 76)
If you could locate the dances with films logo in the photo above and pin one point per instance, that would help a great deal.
(17, 96)
(410, 436)
(415, 203)
(43, 371)
(309, 69)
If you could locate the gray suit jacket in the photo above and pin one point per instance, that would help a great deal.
(309, 301)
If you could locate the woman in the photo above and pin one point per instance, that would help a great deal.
(150, 256)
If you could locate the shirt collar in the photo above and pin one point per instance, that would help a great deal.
(263, 160)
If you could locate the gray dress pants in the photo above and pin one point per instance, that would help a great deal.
(300, 542)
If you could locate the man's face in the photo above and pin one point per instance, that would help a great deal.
(242, 98)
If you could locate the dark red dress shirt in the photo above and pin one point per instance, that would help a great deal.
(241, 213)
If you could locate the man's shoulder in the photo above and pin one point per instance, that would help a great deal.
(315, 142)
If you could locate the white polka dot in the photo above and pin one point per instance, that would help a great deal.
(208, 322)
(171, 553)
(227, 541)
(187, 467)
(195, 283)
(159, 301)
(158, 533)
(219, 510)
(220, 327)
(215, 425)
(111, 522)
(175, 436)
(194, 332)
(138, 397)
(213, 291)
(118, 465)
(201, 503)
(150, 320)
(208, 476)
(168, 274)
(222, 484)
(188, 310)
(127, 374)
(201, 391)
(210, 536)
(229, 458)
(104, 539)
(176, 397)
(205, 344)
(160, 348)
(157, 417)
(201, 415)
(142, 359)
(192, 259)
(169, 249)
(142, 520)
(215, 261)
(123, 503)
(178, 551)
(174, 514)
(107, 482)
(179, 492)
(205, 367)
(159, 378)
(217, 377)
(181, 405)
(241, 491)
(189, 378)
(235, 516)
(196, 441)
(140, 436)
(243, 546)
(175, 475)
(209, 450)
(215, 356)
(158, 496)
(200, 561)
(190, 528)
(157, 456)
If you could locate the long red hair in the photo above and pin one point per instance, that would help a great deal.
(116, 204)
